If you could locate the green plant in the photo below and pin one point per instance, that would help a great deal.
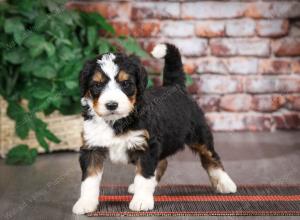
(43, 48)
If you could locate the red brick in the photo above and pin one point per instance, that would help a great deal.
(267, 66)
(241, 46)
(272, 84)
(212, 65)
(239, 122)
(226, 121)
(153, 66)
(147, 44)
(287, 121)
(210, 29)
(236, 65)
(288, 84)
(189, 67)
(110, 10)
(240, 28)
(191, 47)
(193, 89)
(267, 103)
(295, 29)
(296, 66)
(178, 29)
(145, 29)
(287, 47)
(261, 84)
(275, 9)
(219, 84)
(159, 10)
(272, 28)
(242, 65)
(121, 28)
(259, 123)
(293, 102)
(138, 29)
(236, 102)
(209, 103)
(212, 9)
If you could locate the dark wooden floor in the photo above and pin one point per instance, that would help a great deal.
(49, 188)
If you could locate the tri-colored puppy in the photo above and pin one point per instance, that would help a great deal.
(131, 124)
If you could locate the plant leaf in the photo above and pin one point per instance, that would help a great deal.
(130, 45)
(47, 72)
(22, 127)
(92, 35)
(188, 80)
(15, 56)
(22, 119)
(95, 18)
(41, 139)
(50, 49)
(14, 110)
(71, 84)
(21, 155)
(51, 137)
(12, 25)
(34, 40)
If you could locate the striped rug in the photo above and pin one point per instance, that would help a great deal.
(198, 200)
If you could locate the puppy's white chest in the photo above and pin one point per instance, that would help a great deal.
(97, 133)
(118, 154)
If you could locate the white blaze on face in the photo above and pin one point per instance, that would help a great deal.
(112, 91)
(108, 66)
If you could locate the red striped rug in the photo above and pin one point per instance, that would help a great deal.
(197, 200)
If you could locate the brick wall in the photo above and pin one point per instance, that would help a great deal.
(244, 56)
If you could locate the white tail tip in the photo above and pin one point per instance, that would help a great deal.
(159, 51)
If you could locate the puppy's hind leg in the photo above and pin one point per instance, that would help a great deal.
(91, 162)
(211, 162)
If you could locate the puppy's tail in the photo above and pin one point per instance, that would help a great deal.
(173, 70)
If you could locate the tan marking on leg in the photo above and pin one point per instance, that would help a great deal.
(138, 167)
(95, 164)
(160, 169)
(207, 159)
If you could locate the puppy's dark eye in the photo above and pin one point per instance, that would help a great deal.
(126, 84)
(98, 85)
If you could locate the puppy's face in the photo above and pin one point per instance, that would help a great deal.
(111, 85)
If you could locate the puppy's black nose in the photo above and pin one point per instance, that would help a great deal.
(111, 105)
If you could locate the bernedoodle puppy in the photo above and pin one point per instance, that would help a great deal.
(131, 124)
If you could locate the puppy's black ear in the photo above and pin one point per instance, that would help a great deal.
(85, 76)
(141, 75)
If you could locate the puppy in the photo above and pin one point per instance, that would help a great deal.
(131, 124)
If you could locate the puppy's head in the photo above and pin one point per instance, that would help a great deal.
(112, 85)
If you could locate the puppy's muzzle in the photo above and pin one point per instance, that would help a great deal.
(111, 106)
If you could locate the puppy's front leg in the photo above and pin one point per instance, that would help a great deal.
(91, 163)
(145, 181)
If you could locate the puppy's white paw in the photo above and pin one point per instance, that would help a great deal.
(131, 188)
(84, 205)
(142, 202)
(222, 182)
